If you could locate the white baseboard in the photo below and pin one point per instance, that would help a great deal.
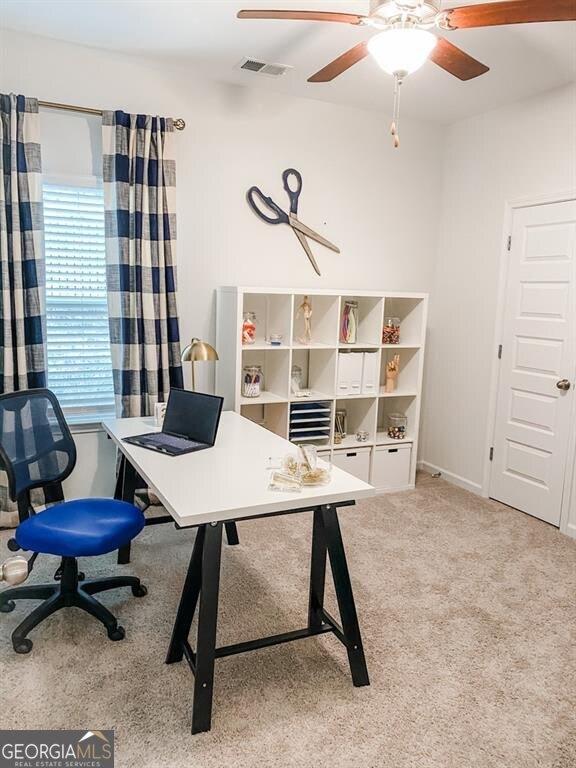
(450, 477)
(382, 491)
(570, 530)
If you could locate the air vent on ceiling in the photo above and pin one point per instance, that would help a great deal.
(262, 67)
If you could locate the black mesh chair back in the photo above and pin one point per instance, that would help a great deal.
(36, 447)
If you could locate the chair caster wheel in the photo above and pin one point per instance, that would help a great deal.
(13, 545)
(81, 576)
(139, 591)
(8, 606)
(23, 646)
(116, 633)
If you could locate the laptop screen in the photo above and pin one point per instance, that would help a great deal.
(193, 415)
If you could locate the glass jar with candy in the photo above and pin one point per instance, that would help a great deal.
(249, 327)
(397, 424)
(391, 331)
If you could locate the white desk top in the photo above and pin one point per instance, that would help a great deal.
(228, 481)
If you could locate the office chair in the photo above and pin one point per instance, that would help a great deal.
(37, 451)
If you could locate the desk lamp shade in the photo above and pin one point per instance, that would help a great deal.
(198, 351)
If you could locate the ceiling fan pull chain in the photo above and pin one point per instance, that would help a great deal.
(395, 127)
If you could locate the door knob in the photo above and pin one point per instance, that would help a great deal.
(563, 384)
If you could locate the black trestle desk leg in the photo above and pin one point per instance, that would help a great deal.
(188, 600)
(119, 488)
(207, 622)
(317, 571)
(231, 533)
(125, 490)
(345, 596)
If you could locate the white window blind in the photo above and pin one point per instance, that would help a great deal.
(78, 342)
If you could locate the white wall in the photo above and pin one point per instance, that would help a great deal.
(526, 150)
(382, 207)
(379, 205)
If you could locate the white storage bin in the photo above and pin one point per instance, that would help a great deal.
(354, 460)
(349, 373)
(391, 468)
(370, 371)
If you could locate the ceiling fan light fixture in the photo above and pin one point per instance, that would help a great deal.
(402, 49)
(419, 10)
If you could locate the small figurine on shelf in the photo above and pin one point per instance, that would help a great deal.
(305, 309)
(392, 370)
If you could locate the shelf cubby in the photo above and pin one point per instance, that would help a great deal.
(311, 422)
(370, 314)
(273, 315)
(324, 321)
(360, 414)
(272, 416)
(411, 313)
(405, 404)
(407, 382)
(275, 369)
(318, 371)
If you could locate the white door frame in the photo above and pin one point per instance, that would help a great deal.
(510, 207)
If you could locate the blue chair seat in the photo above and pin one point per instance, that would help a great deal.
(81, 528)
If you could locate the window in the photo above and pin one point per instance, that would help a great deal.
(78, 342)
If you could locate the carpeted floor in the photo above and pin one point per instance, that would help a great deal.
(468, 616)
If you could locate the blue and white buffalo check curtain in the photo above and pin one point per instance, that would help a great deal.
(140, 212)
(22, 353)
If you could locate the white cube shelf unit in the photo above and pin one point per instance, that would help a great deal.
(389, 464)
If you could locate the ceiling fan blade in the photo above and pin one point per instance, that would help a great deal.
(342, 18)
(512, 12)
(456, 61)
(341, 64)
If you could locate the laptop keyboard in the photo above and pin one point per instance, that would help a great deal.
(172, 441)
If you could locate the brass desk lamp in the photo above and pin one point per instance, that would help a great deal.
(197, 351)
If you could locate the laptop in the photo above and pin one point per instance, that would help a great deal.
(190, 424)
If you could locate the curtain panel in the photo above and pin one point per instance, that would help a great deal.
(22, 280)
(140, 213)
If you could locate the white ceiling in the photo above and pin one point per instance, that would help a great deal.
(524, 59)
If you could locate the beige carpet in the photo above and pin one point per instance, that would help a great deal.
(468, 615)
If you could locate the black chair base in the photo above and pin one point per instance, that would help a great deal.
(69, 592)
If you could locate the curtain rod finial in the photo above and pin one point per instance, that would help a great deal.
(179, 124)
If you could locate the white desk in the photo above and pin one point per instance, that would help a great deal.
(228, 481)
(223, 484)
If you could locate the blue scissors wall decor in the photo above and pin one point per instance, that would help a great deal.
(281, 217)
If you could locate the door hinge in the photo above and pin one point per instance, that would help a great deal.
(499, 351)
(492, 453)
(509, 246)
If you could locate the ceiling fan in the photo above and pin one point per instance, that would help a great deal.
(404, 41)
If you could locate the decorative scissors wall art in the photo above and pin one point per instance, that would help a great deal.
(279, 215)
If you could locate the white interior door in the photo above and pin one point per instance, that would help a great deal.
(538, 362)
